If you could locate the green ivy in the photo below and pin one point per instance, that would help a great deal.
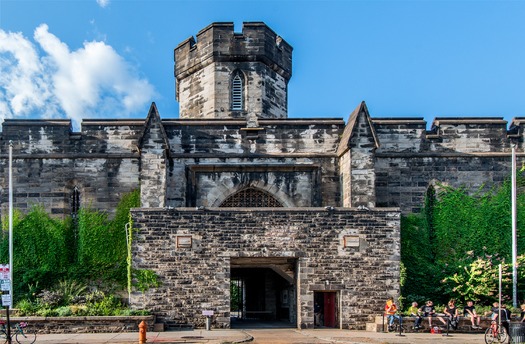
(47, 250)
(450, 249)
(146, 279)
(102, 243)
(129, 258)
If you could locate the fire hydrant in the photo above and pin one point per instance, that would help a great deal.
(142, 332)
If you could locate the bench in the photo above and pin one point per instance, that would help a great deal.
(259, 315)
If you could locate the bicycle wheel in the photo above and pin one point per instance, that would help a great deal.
(25, 336)
(489, 336)
(502, 335)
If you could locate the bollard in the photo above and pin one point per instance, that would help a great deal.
(208, 323)
(142, 332)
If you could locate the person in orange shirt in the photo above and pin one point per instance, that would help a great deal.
(391, 312)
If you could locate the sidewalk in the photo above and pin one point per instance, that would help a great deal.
(259, 336)
(195, 336)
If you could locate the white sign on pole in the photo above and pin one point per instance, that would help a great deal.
(4, 271)
(6, 300)
(5, 285)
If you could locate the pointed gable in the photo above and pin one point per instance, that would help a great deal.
(359, 115)
(154, 130)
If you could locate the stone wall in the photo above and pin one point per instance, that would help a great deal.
(197, 278)
(470, 152)
(294, 160)
(86, 324)
(302, 162)
(49, 161)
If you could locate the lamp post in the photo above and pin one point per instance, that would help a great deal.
(9, 338)
(11, 219)
(514, 248)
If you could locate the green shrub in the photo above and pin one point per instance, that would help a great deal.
(64, 311)
(71, 291)
(109, 305)
(26, 307)
(49, 299)
(46, 312)
(133, 312)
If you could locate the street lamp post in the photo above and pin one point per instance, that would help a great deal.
(514, 244)
(9, 339)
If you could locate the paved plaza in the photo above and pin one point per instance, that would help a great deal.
(262, 336)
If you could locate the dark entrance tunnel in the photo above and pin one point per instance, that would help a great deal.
(262, 292)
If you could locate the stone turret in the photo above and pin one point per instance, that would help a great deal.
(224, 74)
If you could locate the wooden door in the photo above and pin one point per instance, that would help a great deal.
(329, 309)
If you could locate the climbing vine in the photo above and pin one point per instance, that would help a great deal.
(451, 248)
(47, 250)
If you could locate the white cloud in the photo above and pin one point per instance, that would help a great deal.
(24, 86)
(103, 3)
(93, 81)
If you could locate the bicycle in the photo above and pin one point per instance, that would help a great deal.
(395, 328)
(495, 333)
(21, 332)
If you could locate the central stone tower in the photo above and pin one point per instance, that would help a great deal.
(224, 74)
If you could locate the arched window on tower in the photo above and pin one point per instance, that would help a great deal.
(251, 197)
(237, 95)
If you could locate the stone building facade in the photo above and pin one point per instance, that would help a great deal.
(246, 212)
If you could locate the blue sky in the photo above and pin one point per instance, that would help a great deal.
(112, 58)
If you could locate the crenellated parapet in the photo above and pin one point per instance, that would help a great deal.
(469, 152)
(219, 43)
(55, 138)
(55, 167)
(462, 135)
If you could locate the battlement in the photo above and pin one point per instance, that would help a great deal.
(447, 134)
(395, 135)
(219, 43)
(34, 137)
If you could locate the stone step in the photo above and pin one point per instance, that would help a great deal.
(175, 326)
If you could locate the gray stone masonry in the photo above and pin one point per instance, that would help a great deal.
(204, 70)
(293, 159)
(303, 162)
(470, 152)
(197, 278)
(49, 161)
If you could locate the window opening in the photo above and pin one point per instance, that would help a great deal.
(237, 98)
(252, 198)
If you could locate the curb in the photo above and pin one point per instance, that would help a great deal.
(248, 338)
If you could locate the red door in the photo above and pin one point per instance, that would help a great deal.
(329, 309)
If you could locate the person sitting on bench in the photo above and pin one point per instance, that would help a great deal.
(391, 313)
